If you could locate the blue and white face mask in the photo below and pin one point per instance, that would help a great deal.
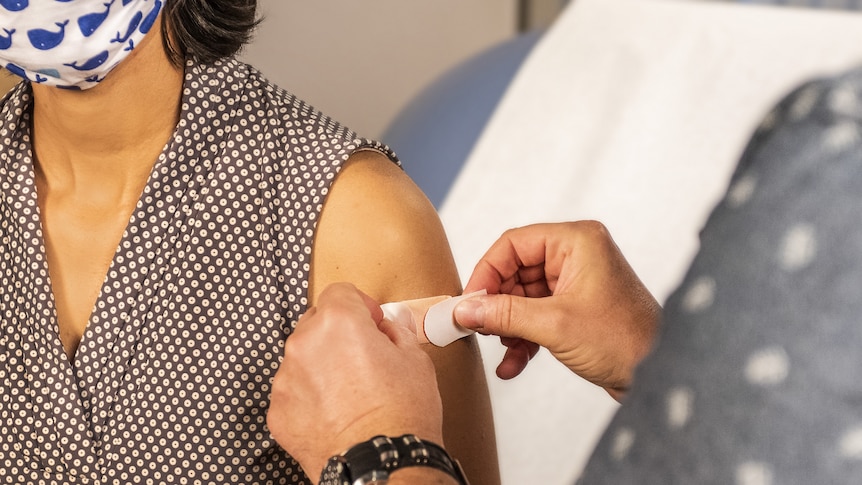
(71, 43)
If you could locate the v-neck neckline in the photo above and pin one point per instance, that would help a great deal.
(125, 296)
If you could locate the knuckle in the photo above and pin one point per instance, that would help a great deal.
(594, 230)
(506, 314)
(292, 348)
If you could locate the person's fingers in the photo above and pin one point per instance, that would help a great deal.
(398, 334)
(498, 266)
(518, 355)
(344, 297)
(486, 277)
(307, 315)
(531, 347)
(515, 250)
(531, 319)
(372, 305)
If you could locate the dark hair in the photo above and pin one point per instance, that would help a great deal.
(206, 30)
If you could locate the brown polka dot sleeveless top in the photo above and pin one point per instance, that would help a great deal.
(171, 381)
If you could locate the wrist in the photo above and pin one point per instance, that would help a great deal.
(376, 460)
(424, 475)
(361, 433)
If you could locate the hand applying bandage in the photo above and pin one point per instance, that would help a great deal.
(563, 286)
(568, 288)
(350, 374)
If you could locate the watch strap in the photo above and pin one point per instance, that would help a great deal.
(372, 461)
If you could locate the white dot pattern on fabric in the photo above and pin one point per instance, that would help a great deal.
(850, 444)
(754, 473)
(171, 381)
(804, 103)
(841, 137)
(741, 191)
(768, 121)
(680, 405)
(622, 443)
(767, 366)
(844, 99)
(798, 247)
(700, 295)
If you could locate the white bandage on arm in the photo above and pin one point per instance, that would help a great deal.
(432, 318)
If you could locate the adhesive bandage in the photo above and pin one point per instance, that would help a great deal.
(432, 318)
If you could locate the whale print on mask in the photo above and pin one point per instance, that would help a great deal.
(133, 26)
(90, 63)
(90, 22)
(72, 43)
(45, 39)
(14, 5)
(6, 40)
(39, 77)
(148, 22)
(16, 70)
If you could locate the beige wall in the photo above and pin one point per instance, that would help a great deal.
(540, 14)
(360, 62)
(7, 80)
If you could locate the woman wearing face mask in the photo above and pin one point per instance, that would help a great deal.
(162, 227)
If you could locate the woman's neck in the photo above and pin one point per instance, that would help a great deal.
(104, 141)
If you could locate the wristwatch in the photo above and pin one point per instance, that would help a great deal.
(371, 462)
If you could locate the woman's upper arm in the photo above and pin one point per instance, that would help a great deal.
(379, 232)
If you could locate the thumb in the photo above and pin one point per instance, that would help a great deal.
(400, 335)
(508, 316)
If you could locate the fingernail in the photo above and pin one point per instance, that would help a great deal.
(470, 313)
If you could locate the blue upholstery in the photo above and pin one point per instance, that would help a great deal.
(434, 133)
